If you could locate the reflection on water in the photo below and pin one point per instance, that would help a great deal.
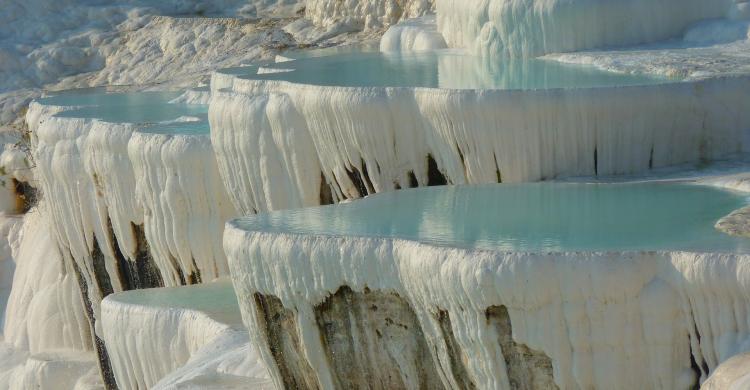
(104, 97)
(531, 217)
(196, 124)
(444, 69)
(298, 54)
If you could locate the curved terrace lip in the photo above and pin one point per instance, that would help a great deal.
(232, 224)
(253, 225)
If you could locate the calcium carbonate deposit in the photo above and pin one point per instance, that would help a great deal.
(233, 194)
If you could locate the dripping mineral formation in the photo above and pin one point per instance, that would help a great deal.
(168, 233)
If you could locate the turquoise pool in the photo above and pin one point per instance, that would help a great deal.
(152, 109)
(530, 217)
(217, 299)
(440, 69)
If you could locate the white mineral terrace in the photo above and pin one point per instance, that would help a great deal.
(597, 286)
(144, 167)
(629, 270)
(132, 192)
(151, 334)
(281, 139)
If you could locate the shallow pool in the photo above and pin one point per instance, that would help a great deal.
(216, 299)
(150, 108)
(530, 217)
(106, 97)
(442, 69)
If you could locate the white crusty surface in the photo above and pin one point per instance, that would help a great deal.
(273, 140)
(606, 320)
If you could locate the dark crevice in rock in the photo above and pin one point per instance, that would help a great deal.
(141, 272)
(356, 177)
(368, 180)
(26, 196)
(149, 275)
(696, 368)
(180, 274)
(105, 367)
(527, 369)
(413, 182)
(100, 270)
(596, 161)
(651, 158)
(326, 195)
(128, 278)
(280, 330)
(463, 160)
(497, 169)
(703, 147)
(455, 354)
(703, 364)
(194, 277)
(434, 176)
(373, 340)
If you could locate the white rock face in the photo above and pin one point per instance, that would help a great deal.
(285, 172)
(126, 216)
(184, 205)
(44, 309)
(364, 14)
(9, 228)
(77, 226)
(614, 320)
(54, 370)
(530, 28)
(274, 140)
(413, 35)
(165, 185)
(47, 339)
